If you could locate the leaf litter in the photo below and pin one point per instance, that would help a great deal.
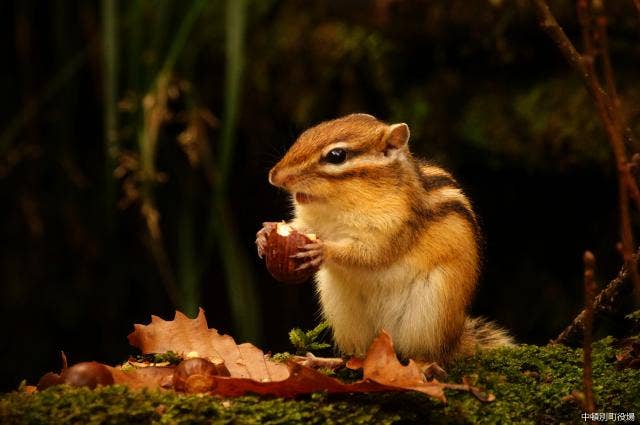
(215, 364)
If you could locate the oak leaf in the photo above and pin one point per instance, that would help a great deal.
(147, 377)
(184, 336)
(253, 372)
(227, 369)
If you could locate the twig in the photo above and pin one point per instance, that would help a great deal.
(607, 68)
(310, 360)
(589, 292)
(584, 18)
(633, 168)
(480, 394)
(620, 119)
(634, 191)
(603, 302)
(609, 115)
(550, 25)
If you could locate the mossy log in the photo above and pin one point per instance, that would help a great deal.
(532, 384)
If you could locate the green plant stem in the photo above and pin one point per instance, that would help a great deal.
(182, 36)
(110, 95)
(148, 138)
(188, 264)
(241, 290)
(134, 45)
(160, 29)
(243, 297)
(235, 29)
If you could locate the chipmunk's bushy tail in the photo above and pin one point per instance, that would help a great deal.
(481, 334)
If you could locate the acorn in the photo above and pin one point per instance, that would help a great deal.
(49, 379)
(283, 241)
(86, 374)
(196, 375)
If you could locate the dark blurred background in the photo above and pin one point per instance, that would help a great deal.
(135, 140)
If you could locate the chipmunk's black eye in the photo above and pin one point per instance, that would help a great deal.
(336, 156)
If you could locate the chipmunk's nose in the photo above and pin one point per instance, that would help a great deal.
(280, 178)
(272, 174)
(275, 177)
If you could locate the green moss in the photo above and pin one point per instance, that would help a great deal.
(309, 341)
(282, 357)
(119, 405)
(531, 385)
(168, 357)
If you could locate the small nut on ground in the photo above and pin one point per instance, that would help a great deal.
(196, 375)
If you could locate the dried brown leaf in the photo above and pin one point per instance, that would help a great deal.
(253, 372)
(381, 365)
(355, 363)
(183, 335)
(147, 377)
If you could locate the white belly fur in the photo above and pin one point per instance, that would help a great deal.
(404, 301)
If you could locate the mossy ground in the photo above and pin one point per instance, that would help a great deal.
(531, 385)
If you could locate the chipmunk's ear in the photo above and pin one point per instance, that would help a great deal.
(397, 136)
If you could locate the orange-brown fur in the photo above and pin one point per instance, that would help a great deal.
(400, 240)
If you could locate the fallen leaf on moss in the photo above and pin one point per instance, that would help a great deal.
(146, 377)
(184, 336)
(253, 372)
(248, 370)
(382, 372)
(381, 365)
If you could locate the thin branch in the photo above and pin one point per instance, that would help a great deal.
(633, 168)
(550, 25)
(634, 191)
(602, 38)
(604, 302)
(584, 18)
(478, 393)
(607, 67)
(310, 360)
(589, 290)
(609, 115)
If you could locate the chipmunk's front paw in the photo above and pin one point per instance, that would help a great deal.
(312, 253)
(261, 236)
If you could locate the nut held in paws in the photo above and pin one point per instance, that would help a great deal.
(283, 242)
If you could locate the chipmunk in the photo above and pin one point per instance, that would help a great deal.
(397, 240)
